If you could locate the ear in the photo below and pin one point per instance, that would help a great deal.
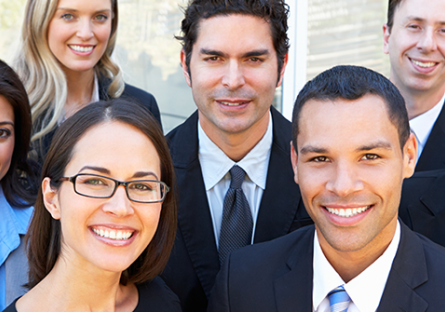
(386, 34)
(410, 156)
(294, 160)
(50, 199)
(184, 68)
(286, 58)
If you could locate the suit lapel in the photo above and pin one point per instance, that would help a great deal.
(276, 213)
(407, 273)
(432, 156)
(194, 220)
(293, 290)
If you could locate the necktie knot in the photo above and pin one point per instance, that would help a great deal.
(237, 177)
(339, 300)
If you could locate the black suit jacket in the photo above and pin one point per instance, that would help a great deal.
(194, 261)
(422, 206)
(433, 154)
(277, 276)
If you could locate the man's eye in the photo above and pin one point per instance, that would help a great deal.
(212, 58)
(320, 159)
(370, 156)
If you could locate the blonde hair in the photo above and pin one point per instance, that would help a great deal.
(41, 73)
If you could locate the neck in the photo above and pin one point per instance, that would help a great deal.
(80, 88)
(239, 144)
(72, 287)
(349, 264)
(419, 101)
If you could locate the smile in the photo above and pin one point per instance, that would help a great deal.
(424, 65)
(81, 48)
(113, 234)
(347, 213)
(232, 103)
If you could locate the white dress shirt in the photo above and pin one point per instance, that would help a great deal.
(365, 290)
(215, 166)
(422, 125)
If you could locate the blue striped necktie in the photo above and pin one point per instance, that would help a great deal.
(237, 223)
(339, 300)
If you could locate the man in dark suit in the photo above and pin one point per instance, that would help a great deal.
(233, 57)
(413, 38)
(422, 207)
(352, 149)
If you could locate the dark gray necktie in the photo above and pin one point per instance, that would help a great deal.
(237, 224)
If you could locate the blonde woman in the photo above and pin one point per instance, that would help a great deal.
(65, 62)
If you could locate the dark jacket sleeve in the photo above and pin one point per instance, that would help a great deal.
(219, 298)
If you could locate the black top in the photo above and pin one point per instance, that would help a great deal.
(153, 296)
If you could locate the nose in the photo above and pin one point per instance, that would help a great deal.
(119, 205)
(233, 77)
(344, 180)
(85, 30)
(427, 41)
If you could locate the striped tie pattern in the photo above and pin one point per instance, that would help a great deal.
(339, 300)
(236, 224)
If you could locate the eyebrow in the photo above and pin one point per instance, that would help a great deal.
(320, 150)
(7, 123)
(248, 54)
(74, 10)
(419, 19)
(102, 170)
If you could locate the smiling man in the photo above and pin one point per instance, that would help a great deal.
(414, 38)
(232, 156)
(352, 148)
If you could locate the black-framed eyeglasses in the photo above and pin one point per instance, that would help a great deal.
(97, 186)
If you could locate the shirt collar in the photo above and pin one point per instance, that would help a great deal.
(215, 164)
(13, 223)
(423, 124)
(358, 289)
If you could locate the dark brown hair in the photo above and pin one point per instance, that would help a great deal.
(392, 6)
(275, 12)
(44, 233)
(17, 182)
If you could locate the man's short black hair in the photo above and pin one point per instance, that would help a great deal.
(352, 83)
(275, 12)
(392, 6)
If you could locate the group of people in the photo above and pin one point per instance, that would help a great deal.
(101, 212)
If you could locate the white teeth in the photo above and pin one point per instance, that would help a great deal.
(80, 48)
(424, 65)
(230, 104)
(112, 234)
(347, 213)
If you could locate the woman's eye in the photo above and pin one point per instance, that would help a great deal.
(94, 182)
(141, 187)
(4, 133)
(101, 17)
(68, 16)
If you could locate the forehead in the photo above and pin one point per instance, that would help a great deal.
(6, 110)
(343, 124)
(244, 31)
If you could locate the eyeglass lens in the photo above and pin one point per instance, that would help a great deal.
(96, 186)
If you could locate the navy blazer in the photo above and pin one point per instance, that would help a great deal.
(194, 261)
(433, 154)
(422, 206)
(277, 276)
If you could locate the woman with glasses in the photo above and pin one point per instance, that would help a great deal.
(105, 216)
(16, 196)
(65, 63)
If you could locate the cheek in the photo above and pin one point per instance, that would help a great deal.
(6, 150)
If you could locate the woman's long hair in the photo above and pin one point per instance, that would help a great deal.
(41, 73)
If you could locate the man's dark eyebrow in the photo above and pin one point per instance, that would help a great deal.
(211, 52)
(421, 20)
(313, 149)
(380, 144)
(257, 53)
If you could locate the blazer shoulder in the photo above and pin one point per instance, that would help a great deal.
(157, 296)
